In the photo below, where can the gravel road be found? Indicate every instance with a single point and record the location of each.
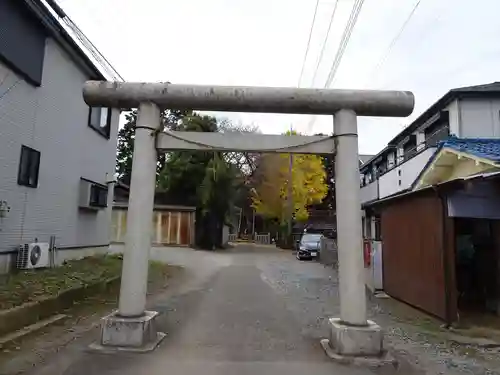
(254, 310)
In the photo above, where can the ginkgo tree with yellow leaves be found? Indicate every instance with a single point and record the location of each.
(270, 191)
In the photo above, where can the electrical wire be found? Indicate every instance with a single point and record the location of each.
(308, 43)
(9, 88)
(96, 54)
(383, 59)
(356, 9)
(327, 36)
(346, 36)
(93, 49)
(83, 40)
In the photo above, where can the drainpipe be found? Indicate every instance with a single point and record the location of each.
(446, 258)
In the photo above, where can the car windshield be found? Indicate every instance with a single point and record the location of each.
(310, 238)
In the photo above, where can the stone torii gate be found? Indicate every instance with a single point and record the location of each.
(132, 327)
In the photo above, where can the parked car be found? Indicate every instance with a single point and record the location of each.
(308, 246)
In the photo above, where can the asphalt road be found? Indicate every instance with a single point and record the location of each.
(250, 310)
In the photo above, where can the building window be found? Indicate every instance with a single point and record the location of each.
(98, 196)
(22, 42)
(378, 229)
(100, 120)
(29, 165)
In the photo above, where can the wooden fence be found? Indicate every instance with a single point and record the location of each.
(263, 239)
(169, 227)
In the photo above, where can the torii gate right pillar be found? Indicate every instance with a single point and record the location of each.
(351, 334)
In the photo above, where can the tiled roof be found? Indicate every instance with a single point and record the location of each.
(364, 158)
(478, 91)
(484, 148)
(489, 87)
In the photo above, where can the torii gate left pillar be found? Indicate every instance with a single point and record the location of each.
(132, 327)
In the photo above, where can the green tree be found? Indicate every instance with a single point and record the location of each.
(171, 119)
(207, 180)
(202, 179)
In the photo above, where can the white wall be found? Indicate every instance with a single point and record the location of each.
(369, 192)
(454, 117)
(393, 181)
(52, 119)
(475, 118)
(480, 118)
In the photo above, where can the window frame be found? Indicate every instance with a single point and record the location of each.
(103, 131)
(377, 236)
(28, 152)
(97, 189)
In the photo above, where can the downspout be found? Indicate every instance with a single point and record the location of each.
(446, 258)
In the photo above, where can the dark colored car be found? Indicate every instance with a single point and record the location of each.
(308, 246)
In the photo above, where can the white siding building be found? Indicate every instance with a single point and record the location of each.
(51, 143)
(468, 112)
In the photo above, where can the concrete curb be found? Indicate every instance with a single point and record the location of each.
(30, 313)
(30, 329)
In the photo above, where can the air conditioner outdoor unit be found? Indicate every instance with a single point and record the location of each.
(33, 255)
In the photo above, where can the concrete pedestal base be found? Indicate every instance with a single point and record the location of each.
(129, 334)
(356, 344)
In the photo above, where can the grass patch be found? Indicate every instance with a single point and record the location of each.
(32, 285)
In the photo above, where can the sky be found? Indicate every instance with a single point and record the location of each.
(446, 44)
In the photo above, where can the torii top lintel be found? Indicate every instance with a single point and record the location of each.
(126, 95)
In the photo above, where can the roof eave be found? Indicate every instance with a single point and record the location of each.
(52, 25)
(446, 99)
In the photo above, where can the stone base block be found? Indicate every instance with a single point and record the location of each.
(350, 340)
(129, 334)
(385, 361)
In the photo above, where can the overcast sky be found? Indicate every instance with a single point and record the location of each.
(446, 44)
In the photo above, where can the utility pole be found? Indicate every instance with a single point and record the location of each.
(253, 224)
(290, 193)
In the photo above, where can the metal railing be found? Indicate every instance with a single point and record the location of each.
(431, 140)
(436, 137)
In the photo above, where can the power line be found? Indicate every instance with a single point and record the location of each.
(84, 41)
(346, 36)
(394, 40)
(353, 18)
(308, 43)
(9, 88)
(327, 36)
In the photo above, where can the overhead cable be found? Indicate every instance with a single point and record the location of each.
(327, 36)
(308, 43)
(84, 41)
(346, 36)
(394, 40)
(353, 18)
